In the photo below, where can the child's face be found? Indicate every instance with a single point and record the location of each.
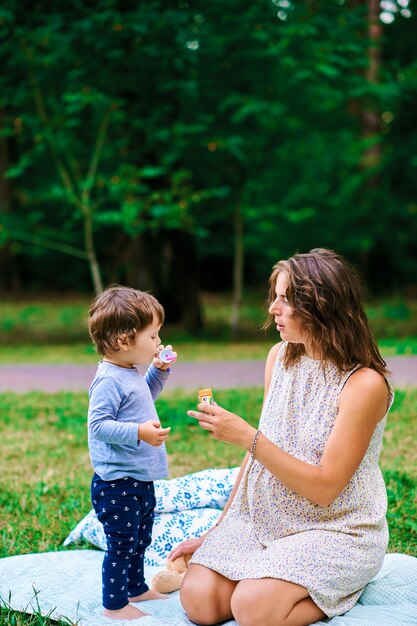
(146, 345)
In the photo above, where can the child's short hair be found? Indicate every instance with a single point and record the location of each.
(121, 311)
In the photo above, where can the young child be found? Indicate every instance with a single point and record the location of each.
(126, 440)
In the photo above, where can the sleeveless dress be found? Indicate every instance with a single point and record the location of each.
(270, 531)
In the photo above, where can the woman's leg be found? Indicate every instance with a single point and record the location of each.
(205, 595)
(273, 602)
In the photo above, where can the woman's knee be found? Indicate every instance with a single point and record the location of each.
(249, 614)
(203, 598)
(252, 607)
(196, 600)
(189, 596)
(271, 602)
(246, 608)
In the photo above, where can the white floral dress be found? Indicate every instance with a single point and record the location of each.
(272, 532)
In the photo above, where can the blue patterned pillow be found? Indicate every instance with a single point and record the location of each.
(185, 507)
(209, 488)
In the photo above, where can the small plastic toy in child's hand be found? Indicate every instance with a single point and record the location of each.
(167, 356)
(205, 395)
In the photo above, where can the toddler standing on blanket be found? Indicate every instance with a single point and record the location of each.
(126, 440)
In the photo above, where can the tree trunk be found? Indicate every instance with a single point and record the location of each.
(371, 115)
(367, 112)
(182, 279)
(371, 121)
(165, 263)
(82, 201)
(91, 252)
(238, 266)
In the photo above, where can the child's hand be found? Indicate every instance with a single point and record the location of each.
(151, 432)
(161, 365)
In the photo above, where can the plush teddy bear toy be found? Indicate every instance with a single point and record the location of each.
(170, 579)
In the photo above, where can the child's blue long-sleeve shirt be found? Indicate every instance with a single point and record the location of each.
(120, 400)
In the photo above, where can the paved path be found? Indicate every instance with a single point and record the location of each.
(218, 375)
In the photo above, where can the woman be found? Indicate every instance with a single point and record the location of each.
(304, 529)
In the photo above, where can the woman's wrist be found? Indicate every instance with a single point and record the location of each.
(248, 438)
(253, 446)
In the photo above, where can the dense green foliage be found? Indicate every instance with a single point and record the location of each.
(140, 138)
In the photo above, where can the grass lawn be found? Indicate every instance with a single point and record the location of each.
(46, 472)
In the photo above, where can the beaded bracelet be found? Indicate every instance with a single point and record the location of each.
(253, 446)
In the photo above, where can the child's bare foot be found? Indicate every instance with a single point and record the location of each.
(127, 612)
(151, 594)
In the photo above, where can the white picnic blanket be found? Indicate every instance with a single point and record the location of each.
(68, 584)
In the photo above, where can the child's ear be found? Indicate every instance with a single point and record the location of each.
(123, 342)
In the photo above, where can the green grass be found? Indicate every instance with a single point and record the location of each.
(44, 496)
(46, 471)
(9, 617)
(49, 492)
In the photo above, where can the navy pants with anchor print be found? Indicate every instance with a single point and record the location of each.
(125, 507)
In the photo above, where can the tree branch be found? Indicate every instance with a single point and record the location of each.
(96, 155)
(37, 240)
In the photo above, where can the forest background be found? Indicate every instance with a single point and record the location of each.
(185, 146)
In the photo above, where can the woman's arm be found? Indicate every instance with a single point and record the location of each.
(269, 366)
(190, 545)
(363, 402)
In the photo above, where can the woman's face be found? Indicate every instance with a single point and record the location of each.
(289, 328)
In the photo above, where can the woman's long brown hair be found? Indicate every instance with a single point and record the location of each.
(325, 292)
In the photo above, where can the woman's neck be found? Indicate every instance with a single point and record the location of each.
(312, 353)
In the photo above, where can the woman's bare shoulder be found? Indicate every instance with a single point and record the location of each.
(367, 378)
(366, 387)
(272, 354)
(272, 357)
